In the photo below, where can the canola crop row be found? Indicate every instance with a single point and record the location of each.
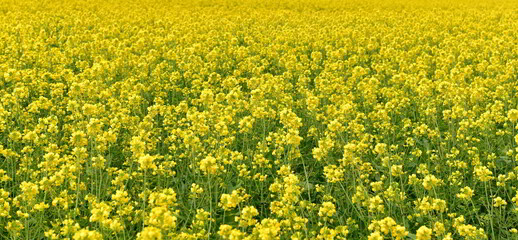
(222, 119)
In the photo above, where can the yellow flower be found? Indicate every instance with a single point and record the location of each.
(465, 193)
(396, 170)
(100, 212)
(4, 204)
(439, 228)
(209, 165)
(79, 139)
(293, 137)
(327, 233)
(413, 179)
(121, 197)
(225, 230)
(161, 217)
(15, 135)
(50, 234)
(483, 173)
(515, 200)
(268, 229)
(30, 190)
(146, 162)
(14, 227)
(335, 126)
(512, 115)
(333, 173)
(498, 202)
(375, 236)
(424, 233)
(137, 146)
(247, 214)
(375, 204)
(327, 209)
(312, 102)
(430, 181)
(448, 237)
(165, 198)
(380, 148)
(40, 206)
(196, 190)
(246, 124)
(114, 224)
(228, 201)
(85, 234)
(466, 230)
(89, 109)
(399, 232)
(149, 233)
(207, 97)
(376, 186)
(386, 225)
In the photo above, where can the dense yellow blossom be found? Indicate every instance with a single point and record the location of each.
(258, 119)
(84, 234)
(465, 193)
(424, 233)
(150, 233)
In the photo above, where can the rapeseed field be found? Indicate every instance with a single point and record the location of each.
(258, 119)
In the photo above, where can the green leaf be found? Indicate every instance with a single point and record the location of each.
(411, 236)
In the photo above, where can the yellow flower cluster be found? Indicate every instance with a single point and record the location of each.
(384, 227)
(230, 201)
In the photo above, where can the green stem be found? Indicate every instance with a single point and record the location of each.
(144, 198)
(490, 208)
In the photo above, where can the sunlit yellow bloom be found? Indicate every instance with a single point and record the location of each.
(150, 233)
(146, 162)
(424, 233)
(209, 165)
(465, 193)
(85, 234)
(498, 202)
